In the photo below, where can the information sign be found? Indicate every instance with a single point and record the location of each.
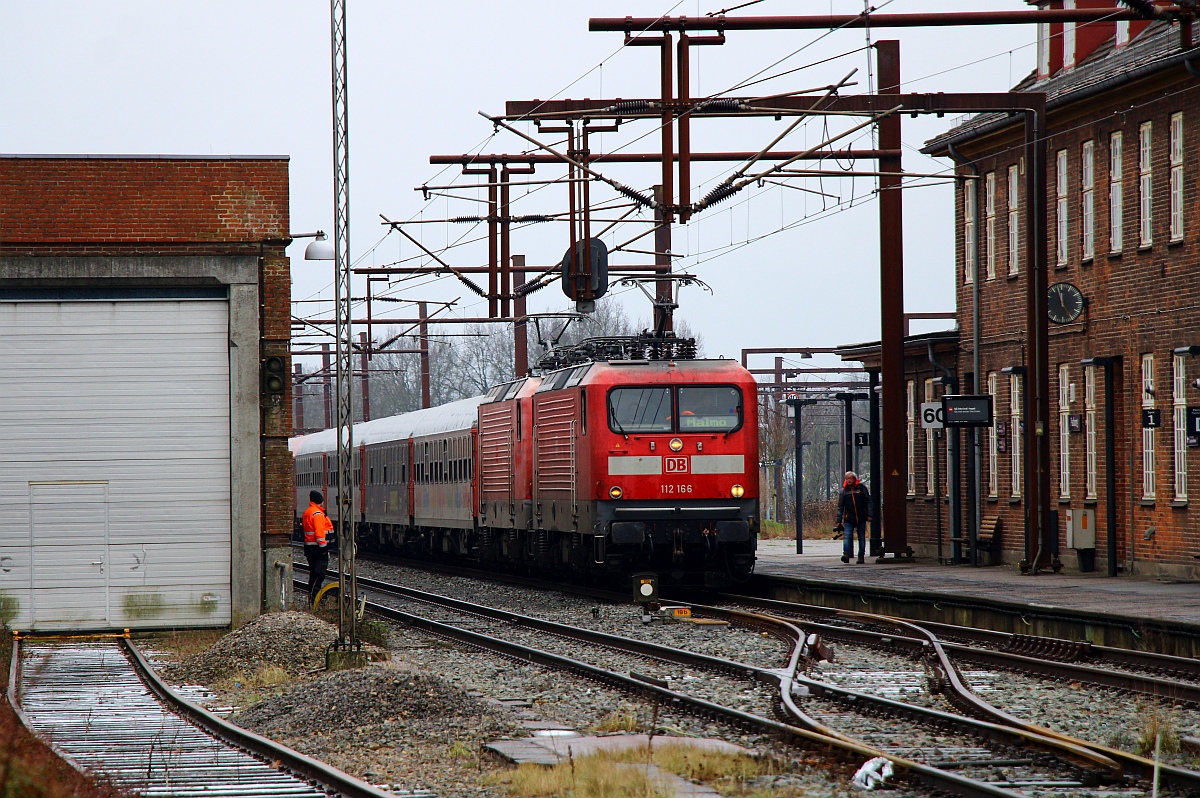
(967, 410)
(932, 416)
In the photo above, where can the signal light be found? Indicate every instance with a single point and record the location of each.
(616, 492)
(645, 588)
(274, 373)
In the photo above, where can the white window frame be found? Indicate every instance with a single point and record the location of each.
(990, 224)
(1061, 249)
(931, 486)
(1014, 220)
(993, 445)
(1014, 409)
(1179, 425)
(1064, 431)
(1145, 185)
(1089, 406)
(1177, 176)
(970, 245)
(1087, 200)
(1149, 488)
(912, 438)
(1116, 194)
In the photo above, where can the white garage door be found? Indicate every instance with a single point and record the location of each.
(114, 464)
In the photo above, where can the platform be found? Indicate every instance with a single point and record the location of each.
(1131, 611)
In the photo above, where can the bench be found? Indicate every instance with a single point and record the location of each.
(988, 540)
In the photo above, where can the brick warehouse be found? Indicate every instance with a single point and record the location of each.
(1123, 221)
(139, 298)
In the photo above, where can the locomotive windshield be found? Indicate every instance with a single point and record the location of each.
(715, 407)
(639, 410)
(709, 408)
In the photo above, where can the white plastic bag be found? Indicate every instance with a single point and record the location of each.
(874, 773)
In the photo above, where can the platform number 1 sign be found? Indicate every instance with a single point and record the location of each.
(932, 416)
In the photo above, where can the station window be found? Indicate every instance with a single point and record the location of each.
(1064, 431)
(912, 438)
(1014, 409)
(1014, 220)
(989, 205)
(1089, 407)
(970, 191)
(1148, 437)
(1060, 208)
(1179, 425)
(1177, 177)
(993, 445)
(1087, 200)
(930, 448)
(1116, 195)
(1145, 185)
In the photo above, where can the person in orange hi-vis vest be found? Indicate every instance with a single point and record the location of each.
(316, 525)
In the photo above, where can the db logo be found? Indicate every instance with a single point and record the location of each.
(676, 465)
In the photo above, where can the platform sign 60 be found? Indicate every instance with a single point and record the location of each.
(931, 415)
(675, 465)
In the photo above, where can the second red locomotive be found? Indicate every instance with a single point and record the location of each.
(606, 467)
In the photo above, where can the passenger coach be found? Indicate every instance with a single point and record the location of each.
(598, 468)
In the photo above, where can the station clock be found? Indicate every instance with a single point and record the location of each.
(1065, 303)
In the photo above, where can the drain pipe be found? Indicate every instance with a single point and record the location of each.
(953, 477)
(976, 495)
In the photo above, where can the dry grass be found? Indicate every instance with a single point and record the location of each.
(818, 523)
(1153, 721)
(182, 643)
(620, 720)
(266, 676)
(595, 776)
(601, 775)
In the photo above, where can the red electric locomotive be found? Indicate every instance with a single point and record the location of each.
(614, 465)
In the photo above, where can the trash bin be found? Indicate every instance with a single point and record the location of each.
(1087, 560)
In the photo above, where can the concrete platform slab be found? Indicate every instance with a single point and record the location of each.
(1130, 611)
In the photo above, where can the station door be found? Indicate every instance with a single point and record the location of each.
(114, 464)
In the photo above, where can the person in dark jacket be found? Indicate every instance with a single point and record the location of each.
(853, 513)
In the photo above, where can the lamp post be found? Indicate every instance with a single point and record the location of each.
(796, 405)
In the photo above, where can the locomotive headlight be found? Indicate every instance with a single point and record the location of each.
(616, 492)
(737, 491)
(676, 444)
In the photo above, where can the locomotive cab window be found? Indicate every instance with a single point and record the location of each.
(639, 410)
(711, 408)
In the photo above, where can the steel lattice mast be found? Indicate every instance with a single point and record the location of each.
(347, 573)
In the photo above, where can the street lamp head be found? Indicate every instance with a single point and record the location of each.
(1096, 361)
(1013, 370)
(1190, 351)
(320, 249)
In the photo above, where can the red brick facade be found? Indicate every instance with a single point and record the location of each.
(1142, 296)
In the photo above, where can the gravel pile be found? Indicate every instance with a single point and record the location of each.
(294, 641)
(349, 699)
(388, 725)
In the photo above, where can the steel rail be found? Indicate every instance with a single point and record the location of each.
(1136, 765)
(923, 774)
(783, 679)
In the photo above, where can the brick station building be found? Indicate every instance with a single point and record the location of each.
(145, 479)
(1123, 221)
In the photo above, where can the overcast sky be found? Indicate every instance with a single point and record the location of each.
(787, 267)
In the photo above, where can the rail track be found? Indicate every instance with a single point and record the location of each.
(961, 742)
(100, 705)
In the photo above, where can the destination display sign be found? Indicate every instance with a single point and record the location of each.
(967, 410)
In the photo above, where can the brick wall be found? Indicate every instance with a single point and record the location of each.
(1142, 299)
(127, 200)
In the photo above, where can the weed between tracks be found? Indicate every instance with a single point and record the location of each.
(624, 775)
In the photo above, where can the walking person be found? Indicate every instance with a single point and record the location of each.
(316, 525)
(853, 514)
